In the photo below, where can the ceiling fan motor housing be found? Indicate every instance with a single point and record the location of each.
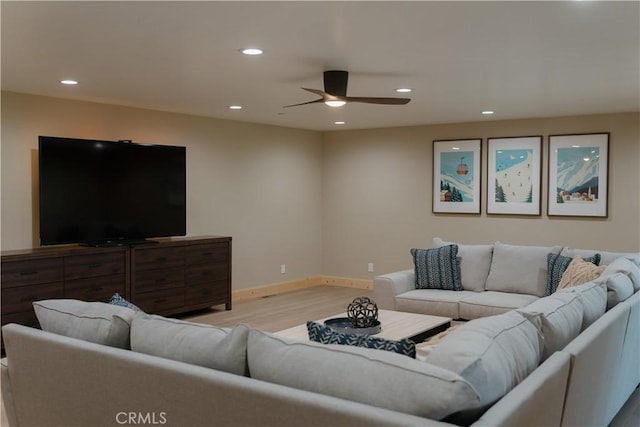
(335, 82)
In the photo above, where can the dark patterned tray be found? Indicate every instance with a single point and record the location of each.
(344, 325)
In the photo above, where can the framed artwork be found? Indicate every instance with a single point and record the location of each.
(456, 176)
(514, 175)
(578, 175)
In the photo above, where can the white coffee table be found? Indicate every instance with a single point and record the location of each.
(396, 325)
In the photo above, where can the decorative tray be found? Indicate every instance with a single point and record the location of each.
(344, 325)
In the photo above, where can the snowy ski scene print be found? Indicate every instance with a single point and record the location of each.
(578, 174)
(456, 176)
(513, 176)
(513, 181)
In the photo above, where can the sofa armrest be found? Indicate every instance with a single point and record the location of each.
(387, 286)
(7, 394)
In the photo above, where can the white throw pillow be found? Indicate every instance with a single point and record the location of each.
(375, 377)
(475, 261)
(619, 288)
(626, 266)
(519, 269)
(95, 322)
(561, 316)
(494, 354)
(222, 349)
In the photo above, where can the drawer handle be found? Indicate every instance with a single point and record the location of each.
(95, 265)
(160, 301)
(28, 273)
(161, 259)
(162, 280)
(206, 253)
(95, 289)
(29, 298)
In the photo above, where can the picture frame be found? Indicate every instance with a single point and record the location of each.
(578, 175)
(514, 175)
(457, 168)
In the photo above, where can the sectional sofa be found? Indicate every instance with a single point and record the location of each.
(565, 360)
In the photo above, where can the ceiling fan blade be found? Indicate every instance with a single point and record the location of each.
(317, 92)
(304, 103)
(386, 101)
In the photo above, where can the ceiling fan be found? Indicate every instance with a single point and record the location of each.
(335, 92)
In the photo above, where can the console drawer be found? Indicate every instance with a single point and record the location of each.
(153, 280)
(154, 258)
(20, 299)
(160, 301)
(30, 272)
(210, 293)
(81, 266)
(206, 273)
(211, 253)
(95, 288)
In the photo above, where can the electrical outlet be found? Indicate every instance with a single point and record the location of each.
(370, 267)
(283, 269)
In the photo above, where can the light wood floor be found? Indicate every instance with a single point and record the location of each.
(277, 312)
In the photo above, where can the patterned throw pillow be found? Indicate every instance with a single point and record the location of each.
(556, 266)
(580, 272)
(118, 300)
(437, 268)
(325, 335)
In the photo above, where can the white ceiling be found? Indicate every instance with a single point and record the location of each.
(520, 59)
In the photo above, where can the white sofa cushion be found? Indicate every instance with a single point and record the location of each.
(606, 258)
(95, 322)
(519, 269)
(561, 320)
(626, 266)
(475, 261)
(490, 303)
(436, 302)
(593, 297)
(375, 377)
(223, 349)
(493, 354)
(619, 288)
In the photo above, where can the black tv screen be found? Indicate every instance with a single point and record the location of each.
(106, 192)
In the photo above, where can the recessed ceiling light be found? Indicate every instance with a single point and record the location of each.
(339, 122)
(487, 112)
(68, 82)
(455, 148)
(403, 90)
(252, 51)
(235, 107)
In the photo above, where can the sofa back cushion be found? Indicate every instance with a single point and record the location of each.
(223, 349)
(519, 269)
(560, 316)
(626, 266)
(374, 377)
(493, 354)
(593, 297)
(475, 262)
(606, 257)
(95, 322)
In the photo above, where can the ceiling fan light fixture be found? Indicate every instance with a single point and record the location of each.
(252, 51)
(335, 103)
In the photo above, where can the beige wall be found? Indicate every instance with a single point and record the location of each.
(377, 194)
(259, 184)
(321, 203)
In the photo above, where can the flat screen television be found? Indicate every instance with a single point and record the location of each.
(109, 193)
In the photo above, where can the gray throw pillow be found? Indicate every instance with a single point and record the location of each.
(437, 268)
